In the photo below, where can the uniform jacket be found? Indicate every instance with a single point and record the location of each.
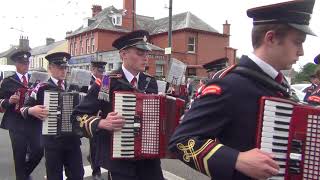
(13, 120)
(36, 98)
(86, 119)
(221, 123)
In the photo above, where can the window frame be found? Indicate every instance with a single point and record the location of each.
(191, 44)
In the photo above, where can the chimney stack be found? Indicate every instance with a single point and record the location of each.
(49, 41)
(226, 28)
(96, 9)
(24, 43)
(129, 19)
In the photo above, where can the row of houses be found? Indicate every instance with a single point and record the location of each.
(195, 42)
(37, 60)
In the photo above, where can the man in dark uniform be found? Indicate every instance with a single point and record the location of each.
(217, 135)
(133, 51)
(309, 90)
(24, 133)
(97, 69)
(61, 150)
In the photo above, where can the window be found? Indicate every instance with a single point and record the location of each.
(117, 20)
(71, 49)
(110, 66)
(81, 47)
(75, 48)
(87, 46)
(159, 70)
(192, 72)
(92, 44)
(41, 63)
(191, 45)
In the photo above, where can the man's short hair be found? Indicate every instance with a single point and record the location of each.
(259, 31)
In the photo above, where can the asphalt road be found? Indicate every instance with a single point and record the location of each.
(173, 169)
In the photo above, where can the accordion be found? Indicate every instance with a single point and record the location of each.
(23, 94)
(291, 132)
(60, 106)
(150, 120)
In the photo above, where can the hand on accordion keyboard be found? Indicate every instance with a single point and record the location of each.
(257, 164)
(14, 99)
(113, 122)
(38, 111)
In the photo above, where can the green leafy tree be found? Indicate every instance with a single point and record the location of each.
(305, 73)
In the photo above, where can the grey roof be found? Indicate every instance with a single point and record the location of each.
(8, 52)
(45, 48)
(185, 20)
(179, 21)
(101, 21)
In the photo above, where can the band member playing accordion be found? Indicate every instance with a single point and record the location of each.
(51, 105)
(95, 117)
(24, 133)
(217, 136)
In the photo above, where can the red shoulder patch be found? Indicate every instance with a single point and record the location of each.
(98, 82)
(211, 89)
(314, 99)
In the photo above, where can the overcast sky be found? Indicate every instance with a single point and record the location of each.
(39, 19)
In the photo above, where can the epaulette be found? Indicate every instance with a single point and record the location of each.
(223, 72)
(98, 82)
(315, 99)
(211, 89)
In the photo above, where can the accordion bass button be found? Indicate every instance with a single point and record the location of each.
(136, 125)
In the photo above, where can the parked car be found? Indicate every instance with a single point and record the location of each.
(6, 70)
(298, 89)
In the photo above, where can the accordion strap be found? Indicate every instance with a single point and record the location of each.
(265, 80)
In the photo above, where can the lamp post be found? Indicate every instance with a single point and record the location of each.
(168, 50)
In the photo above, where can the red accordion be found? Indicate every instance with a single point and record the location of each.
(23, 94)
(291, 132)
(150, 120)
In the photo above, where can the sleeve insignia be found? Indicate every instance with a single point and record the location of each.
(98, 82)
(211, 89)
(314, 99)
(82, 120)
(199, 154)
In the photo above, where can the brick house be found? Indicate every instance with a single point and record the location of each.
(194, 41)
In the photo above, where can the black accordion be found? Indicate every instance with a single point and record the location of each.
(60, 106)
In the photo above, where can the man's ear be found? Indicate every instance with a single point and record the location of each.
(123, 53)
(269, 38)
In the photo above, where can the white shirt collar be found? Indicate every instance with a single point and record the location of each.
(56, 81)
(267, 68)
(20, 76)
(128, 74)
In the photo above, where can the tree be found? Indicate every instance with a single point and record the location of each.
(304, 75)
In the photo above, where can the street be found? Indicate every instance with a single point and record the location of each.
(173, 169)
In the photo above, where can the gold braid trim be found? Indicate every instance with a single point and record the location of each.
(84, 122)
(90, 125)
(208, 156)
(189, 152)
